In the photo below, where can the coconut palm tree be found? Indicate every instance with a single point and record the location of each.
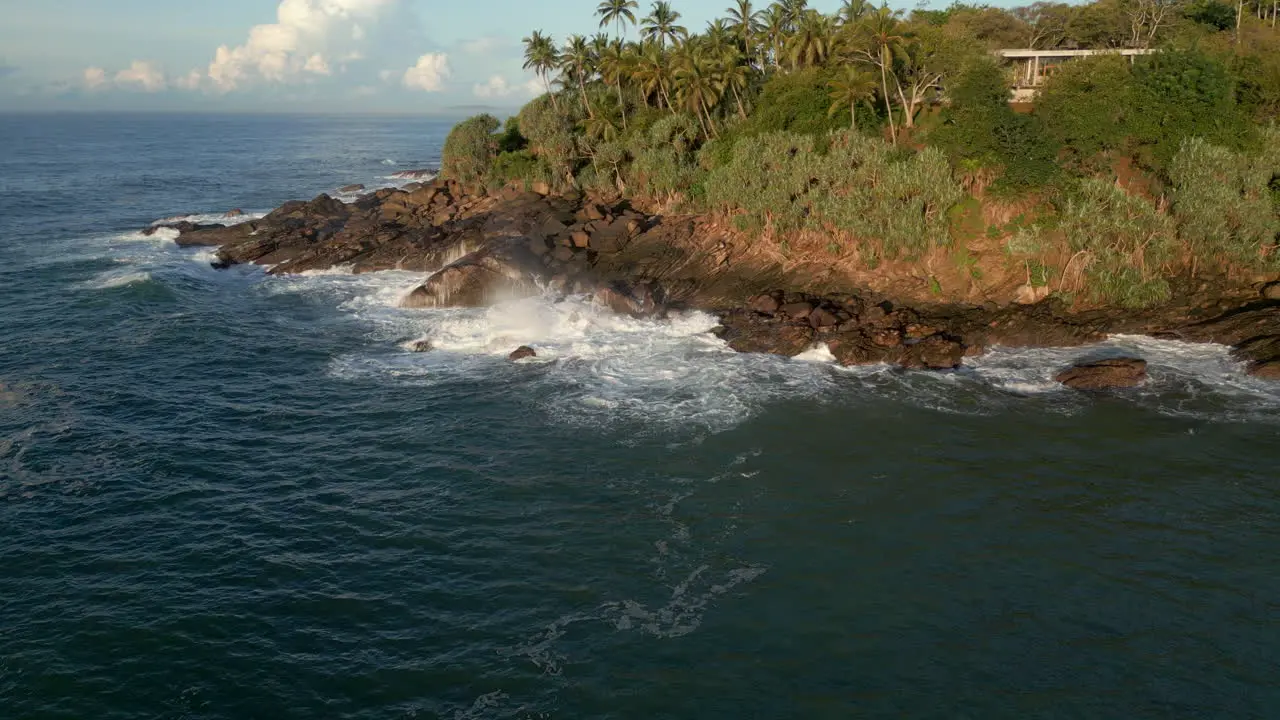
(540, 56)
(774, 22)
(745, 21)
(615, 66)
(661, 24)
(653, 74)
(851, 11)
(736, 76)
(881, 39)
(575, 65)
(719, 38)
(853, 87)
(698, 89)
(812, 41)
(617, 13)
(793, 11)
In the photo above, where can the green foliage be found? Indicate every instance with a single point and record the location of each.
(520, 166)
(980, 126)
(1085, 106)
(1223, 204)
(469, 150)
(1121, 241)
(666, 159)
(861, 186)
(1215, 14)
(1184, 94)
(552, 137)
(511, 140)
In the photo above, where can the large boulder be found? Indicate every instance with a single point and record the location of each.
(500, 271)
(749, 332)
(1122, 372)
(1262, 355)
(640, 299)
(182, 226)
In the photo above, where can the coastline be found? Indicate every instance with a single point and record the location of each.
(479, 249)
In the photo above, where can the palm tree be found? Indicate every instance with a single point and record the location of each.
(736, 76)
(793, 11)
(575, 65)
(615, 66)
(618, 13)
(660, 24)
(775, 31)
(540, 56)
(851, 11)
(812, 41)
(719, 38)
(854, 87)
(880, 29)
(745, 22)
(698, 89)
(653, 73)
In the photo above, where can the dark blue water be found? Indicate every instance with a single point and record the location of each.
(225, 495)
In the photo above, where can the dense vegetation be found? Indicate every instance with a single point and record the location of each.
(879, 129)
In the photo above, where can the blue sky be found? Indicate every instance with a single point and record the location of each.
(283, 55)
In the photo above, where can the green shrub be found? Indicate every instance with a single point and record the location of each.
(518, 167)
(551, 135)
(1121, 241)
(1085, 106)
(666, 159)
(979, 128)
(469, 150)
(1223, 204)
(861, 186)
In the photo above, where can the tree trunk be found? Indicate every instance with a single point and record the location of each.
(741, 109)
(853, 116)
(908, 109)
(582, 87)
(698, 112)
(547, 84)
(622, 104)
(888, 107)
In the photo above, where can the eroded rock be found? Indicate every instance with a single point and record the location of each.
(1112, 373)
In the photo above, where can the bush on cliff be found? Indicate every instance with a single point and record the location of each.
(1086, 107)
(1121, 243)
(550, 131)
(665, 158)
(861, 186)
(1223, 204)
(469, 150)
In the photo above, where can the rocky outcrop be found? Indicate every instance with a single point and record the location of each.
(478, 249)
(1109, 374)
(522, 352)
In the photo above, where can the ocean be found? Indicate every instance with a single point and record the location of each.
(230, 495)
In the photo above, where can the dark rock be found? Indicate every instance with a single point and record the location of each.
(765, 304)
(346, 189)
(936, 352)
(494, 273)
(823, 318)
(421, 346)
(522, 352)
(423, 174)
(638, 300)
(562, 254)
(1271, 291)
(747, 331)
(182, 226)
(1124, 372)
(797, 310)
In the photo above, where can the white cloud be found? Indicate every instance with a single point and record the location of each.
(429, 74)
(94, 78)
(190, 81)
(498, 87)
(142, 75)
(296, 44)
(479, 46)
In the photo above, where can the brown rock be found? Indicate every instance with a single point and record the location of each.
(765, 304)
(823, 318)
(563, 254)
(579, 239)
(936, 352)
(593, 212)
(351, 188)
(236, 212)
(421, 346)
(522, 352)
(797, 310)
(1271, 291)
(541, 188)
(1124, 372)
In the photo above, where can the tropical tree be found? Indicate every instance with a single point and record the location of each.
(745, 21)
(851, 11)
(847, 91)
(880, 39)
(793, 11)
(540, 56)
(813, 40)
(774, 24)
(662, 24)
(615, 67)
(617, 13)
(699, 90)
(575, 65)
(653, 74)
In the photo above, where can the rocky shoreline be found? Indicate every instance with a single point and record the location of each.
(482, 249)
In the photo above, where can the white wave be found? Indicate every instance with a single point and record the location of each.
(389, 162)
(117, 279)
(211, 218)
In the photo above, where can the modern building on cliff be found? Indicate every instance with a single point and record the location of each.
(1032, 67)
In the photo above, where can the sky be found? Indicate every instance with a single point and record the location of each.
(285, 55)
